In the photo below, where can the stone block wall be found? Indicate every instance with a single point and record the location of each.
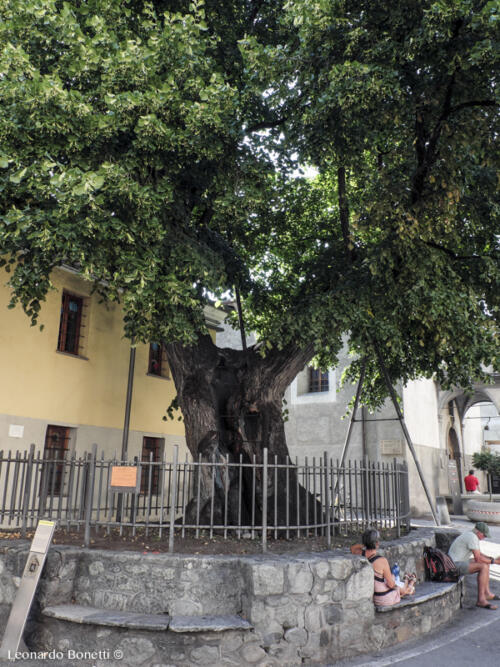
(408, 623)
(313, 608)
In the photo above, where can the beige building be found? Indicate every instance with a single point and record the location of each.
(64, 388)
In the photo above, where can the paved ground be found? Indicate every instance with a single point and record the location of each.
(473, 639)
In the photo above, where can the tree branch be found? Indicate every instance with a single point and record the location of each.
(344, 213)
(254, 14)
(425, 145)
(266, 125)
(452, 254)
(474, 103)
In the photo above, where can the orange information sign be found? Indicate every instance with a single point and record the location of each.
(124, 478)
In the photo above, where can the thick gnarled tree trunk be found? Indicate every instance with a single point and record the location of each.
(231, 402)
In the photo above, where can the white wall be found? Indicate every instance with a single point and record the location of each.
(420, 405)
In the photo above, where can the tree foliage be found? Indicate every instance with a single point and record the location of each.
(397, 104)
(121, 126)
(487, 461)
(154, 145)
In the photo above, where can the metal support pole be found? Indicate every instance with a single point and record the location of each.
(363, 427)
(328, 494)
(405, 431)
(27, 489)
(126, 424)
(240, 319)
(128, 403)
(335, 491)
(173, 496)
(353, 415)
(90, 493)
(264, 500)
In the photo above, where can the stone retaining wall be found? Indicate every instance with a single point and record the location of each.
(304, 609)
(407, 623)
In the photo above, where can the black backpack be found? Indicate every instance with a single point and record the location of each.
(439, 566)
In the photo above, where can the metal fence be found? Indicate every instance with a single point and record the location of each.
(261, 499)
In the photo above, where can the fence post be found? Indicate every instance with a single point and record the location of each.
(173, 496)
(90, 494)
(264, 500)
(397, 498)
(327, 501)
(406, 496)
(367, 509)
(27, 485)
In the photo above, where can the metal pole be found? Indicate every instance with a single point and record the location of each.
(240, 318)
(346, 443)
(90, 494)
(353, 415)
(327, 502)
(173, 495)
(363, 427)
(128, 402)
(27, 489)
(126, 423)
(264, 501)
(461, 472)
(405, 431)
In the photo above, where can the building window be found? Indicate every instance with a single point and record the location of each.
(152, 451)
(307, 390)
(54, 454)
(318, 381)
(70, 323)
(158, 364)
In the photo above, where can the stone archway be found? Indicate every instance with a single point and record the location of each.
(453, 445)
(454, 470)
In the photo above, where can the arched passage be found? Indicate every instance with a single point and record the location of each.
(454, 455)
(453, 446)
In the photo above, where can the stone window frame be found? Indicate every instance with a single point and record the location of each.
(300, 394)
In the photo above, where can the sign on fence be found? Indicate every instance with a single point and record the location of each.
(26, 591)
(124, 479)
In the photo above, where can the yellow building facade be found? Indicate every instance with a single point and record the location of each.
(69, 381)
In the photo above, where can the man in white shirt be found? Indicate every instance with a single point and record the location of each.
(466, 546)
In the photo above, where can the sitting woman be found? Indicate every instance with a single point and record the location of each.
(386, 590)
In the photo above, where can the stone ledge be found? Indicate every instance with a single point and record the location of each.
(428, 590)
(207, 623)
(76, 613)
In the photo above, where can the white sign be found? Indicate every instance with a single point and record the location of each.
(391, 447)
(16, 431)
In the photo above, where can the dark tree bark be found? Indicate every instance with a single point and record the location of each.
(231, 401)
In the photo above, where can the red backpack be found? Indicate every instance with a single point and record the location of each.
(439, 566)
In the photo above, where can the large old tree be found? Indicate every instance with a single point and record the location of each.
(155, 146)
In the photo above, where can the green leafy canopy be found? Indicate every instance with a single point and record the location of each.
(155, 146)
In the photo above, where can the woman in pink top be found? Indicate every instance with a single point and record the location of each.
(386, 590)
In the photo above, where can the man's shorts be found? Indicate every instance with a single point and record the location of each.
(463, 566)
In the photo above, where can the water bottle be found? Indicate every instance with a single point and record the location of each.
(395, 572)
